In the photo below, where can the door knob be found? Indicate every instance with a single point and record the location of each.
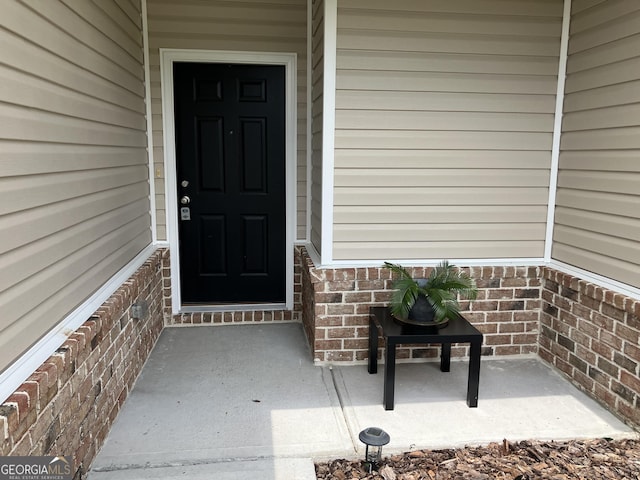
(185, 200)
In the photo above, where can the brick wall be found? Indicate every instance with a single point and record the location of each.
(68, 404)
(589, 333)
(336, 304)
(307, 293)
(592, 335)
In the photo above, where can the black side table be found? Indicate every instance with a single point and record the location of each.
(458, 330)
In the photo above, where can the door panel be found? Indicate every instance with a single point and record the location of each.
(211, 141)
(212, 245)
(230, 151)
(253, 154)
(255, 238)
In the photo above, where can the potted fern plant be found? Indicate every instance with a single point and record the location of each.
(432, 300)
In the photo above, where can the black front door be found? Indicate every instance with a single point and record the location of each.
(230, 154)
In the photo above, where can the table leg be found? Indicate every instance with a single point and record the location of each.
(373, 346)
(389, 374)
(445, 357)
(474, 374)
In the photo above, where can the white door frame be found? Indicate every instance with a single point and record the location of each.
(289, 61)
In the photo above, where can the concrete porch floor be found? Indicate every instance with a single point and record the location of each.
(245, 401)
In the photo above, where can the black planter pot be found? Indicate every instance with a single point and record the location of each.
(422, 314)
(422, 311)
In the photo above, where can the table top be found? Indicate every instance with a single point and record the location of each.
(457, 330)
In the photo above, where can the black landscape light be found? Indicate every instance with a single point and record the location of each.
(374, 438)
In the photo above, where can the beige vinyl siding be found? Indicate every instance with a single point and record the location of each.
(317, 99)
(74, 193)
(597, 224)
(239, 25)
(444, 121)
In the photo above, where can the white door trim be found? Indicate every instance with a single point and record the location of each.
(289, 61)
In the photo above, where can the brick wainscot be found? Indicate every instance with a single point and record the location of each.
(67, 406)
(592, 336)
(336, 304)
(587, 332)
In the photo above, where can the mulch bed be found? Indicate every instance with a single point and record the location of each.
(525, 460)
